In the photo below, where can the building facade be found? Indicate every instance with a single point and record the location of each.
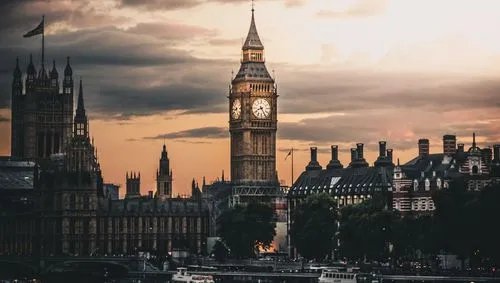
(54, 200)
(417, 180)
(42, 114)
(348, 186)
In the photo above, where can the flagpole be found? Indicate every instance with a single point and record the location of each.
(292, 169)
(43, 41)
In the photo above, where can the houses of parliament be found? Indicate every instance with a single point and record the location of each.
(54, 200)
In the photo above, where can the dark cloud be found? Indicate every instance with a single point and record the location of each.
(345, 91)
(401, 131)
(171, 31)
(161, 4)
(4, 119)
(360, 9)
(206, 132)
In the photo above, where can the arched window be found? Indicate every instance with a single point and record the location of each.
(475, 170)
(415, 185)
(438, 183)
(427, 184)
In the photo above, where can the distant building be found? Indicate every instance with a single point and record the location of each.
(17, 201)
(42, 114)
(416, 180)
(53, 198)
(351, 185)
(111, 191)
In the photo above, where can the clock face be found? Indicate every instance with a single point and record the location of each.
(261, 108)
(236, 109)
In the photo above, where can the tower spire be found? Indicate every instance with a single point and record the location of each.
(253, 39)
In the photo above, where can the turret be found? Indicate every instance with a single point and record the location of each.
(68, 79)
(17, 83)
(30, 73)
(54, 76)
(80, 122)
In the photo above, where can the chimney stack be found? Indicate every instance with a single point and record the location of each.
(381, 148)
(335, 152)
(423, 147)
(359, 150)
(460, 147)
(486, 154)
(496, 152)
(313, 164)
(150, 194)
(354, 155)
(334, 162)
(389, 154)
(449, 144)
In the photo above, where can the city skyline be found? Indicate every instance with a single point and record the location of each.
(163, 79)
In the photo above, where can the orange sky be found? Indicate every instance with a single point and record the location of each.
(347, 71)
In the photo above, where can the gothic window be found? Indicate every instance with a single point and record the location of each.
(86, 202)
(475, 170)
(72, 202)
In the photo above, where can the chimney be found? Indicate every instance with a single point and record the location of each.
(486, 154)
(314, 154)
(449, 144)
(423, 147)
(150, 194)
(335, 163)
(389, 154)
(335, 152)
(354, 155)
(381, 148)
(496, 152)
(313, 164)
(359, 150)
(460, 147)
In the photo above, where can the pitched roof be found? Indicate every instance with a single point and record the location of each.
(340, 182)
(253, 39)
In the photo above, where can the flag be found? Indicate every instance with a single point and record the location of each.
(289, 153)
(35, 31)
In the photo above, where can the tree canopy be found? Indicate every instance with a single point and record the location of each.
(314, 225)
(246, 228)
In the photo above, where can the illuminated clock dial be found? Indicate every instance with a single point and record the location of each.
(261, 108)
(236, 109)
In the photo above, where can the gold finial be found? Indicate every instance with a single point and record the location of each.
(253, 6)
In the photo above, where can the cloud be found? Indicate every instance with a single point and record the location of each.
(400, 128)
(171, 31)
(224, 41)
(187, 4)
(360, 9)
(205, 132)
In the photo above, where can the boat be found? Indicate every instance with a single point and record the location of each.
(182, 276)
(346, 275)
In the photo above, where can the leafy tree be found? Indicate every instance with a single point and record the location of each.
(220, 251)
(366, 229)
(246, 228)
(314, 226)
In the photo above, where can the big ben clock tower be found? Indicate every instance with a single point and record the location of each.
(253, 119)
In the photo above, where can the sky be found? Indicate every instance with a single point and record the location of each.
(348, 71)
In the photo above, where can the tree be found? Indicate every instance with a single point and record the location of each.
(246, 228)
(314, 226)
(220, 251)
(366, 229)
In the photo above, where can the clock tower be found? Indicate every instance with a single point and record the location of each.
(253, 118)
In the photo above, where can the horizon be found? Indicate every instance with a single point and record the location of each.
(156, 72)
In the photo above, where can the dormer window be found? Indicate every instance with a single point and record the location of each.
(427, 184)
(415, 185)
(438, 183)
